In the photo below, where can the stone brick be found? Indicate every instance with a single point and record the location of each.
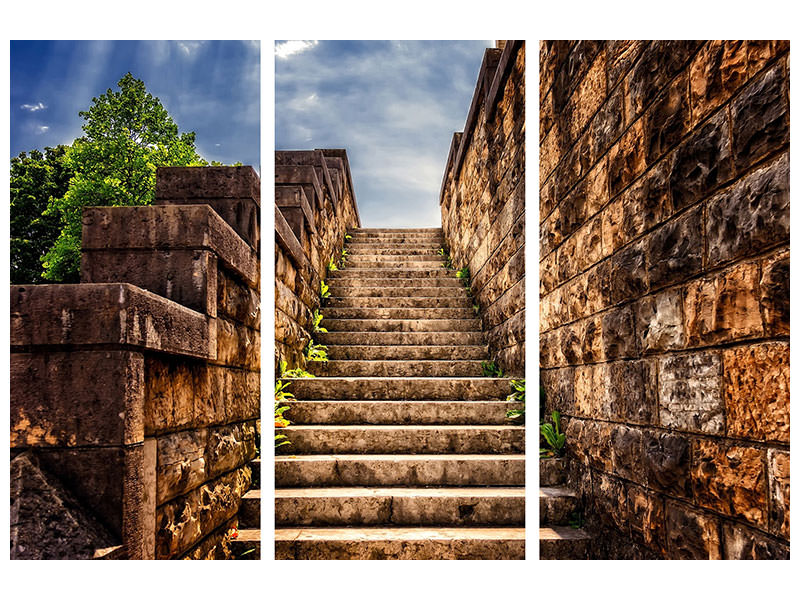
(757, 391)
(592, 391)
(589, 243)
(591, 335)
(564, 261)
(675, 250)
(573, 296)
(743, 543)
(724, 307)
(575, 66)
(598, 293)
(559, 389)
(588, 96)
(666, 122)
(760, 116)
(626, 443)
(775, 293)
(550, 354)
(702, 162)
(626, 159)
(690, 398)
(646, 203)
(778, 467)
(621, 54)
(646, 516)
(627, 394)
(659, 321)
(613, 232)
(717, 72)
(666, 458)
(751, 215)
(730, 480)
(610, 502)
(692, 535)
(619, 337)
(628, 273)
(760, 52)
(181, 463)
(607, 125)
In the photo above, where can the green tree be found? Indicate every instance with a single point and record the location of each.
(128, 134)
(36, 179)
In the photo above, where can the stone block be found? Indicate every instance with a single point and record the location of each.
(559, 389)
(756, 380)
(667, 120)
(690, 396)
(646, 517)
(627, 398)
(692, 535)
(750, 216)
(760, 116)
(626, 443)
(730, 480)
(550, 354)
(645, 204)
(169, 394)
(702, 163)
(240, 302)
(760, 52)
(675, 250)
(589, 243)
(237, 345)
(591, 334)
(76, 399)
(666, 458)
(597, 442)
(610, 502)
(744, 543)
(181, 463)
(571, 339)
(659, 322)
(613, 233)
(619, 336)
(598, 292)
(621, 55)
(607, 125)
(774, 286)
(626, 159)
(778, 468)
(724, 307)
(628, 273)
(717, 72)
(588, 95)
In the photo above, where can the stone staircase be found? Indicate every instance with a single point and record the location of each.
(400, 448)
(249, 537)
(557, 504)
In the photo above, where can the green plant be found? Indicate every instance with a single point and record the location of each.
(281, 396)
(553, 437)
(297, 373)
(476, 308)
(463, 275)
(332, 265)
(344, 258)
(317, 319)
(490, 369)
(324, 291)
(316, 352)
(518, 395)
(448, 262)
(576, 519)
(347, 237)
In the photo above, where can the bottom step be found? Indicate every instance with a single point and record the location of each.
(405, 543)
(563, 543)
(247, 545)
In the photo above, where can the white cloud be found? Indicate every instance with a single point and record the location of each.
(34, 107)
(287, 49)
(42, 128)
(189, 48)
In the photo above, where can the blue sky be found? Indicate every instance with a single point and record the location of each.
(393, 105)
(211, 88)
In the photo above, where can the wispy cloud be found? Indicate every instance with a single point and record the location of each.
(287, 49)
(42, 128)
(34, 107)
(189, 49)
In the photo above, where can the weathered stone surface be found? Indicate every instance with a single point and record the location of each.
(591, 390)
(646, 517)
(756, 393)
(774, 286)
(626, 159)
(751, 215)
(730, 480)
(690, 397)
(591, 333)
(610, 502)
(675, 250)
(181, 463)
(627, 393)
(717, 72)
(559, 389)
(692, 535)
(701, 163)
(667, 120)
(621, 56)
(659, 322)
(645, 204)
(667, 459)
(607, 125)
(760, 116)
(760, 52)
(597, 441)
(571, 340)
(626, 443)
(724, 307)
(619, 338)
(778, 468)
(745, 543)
(628, 273)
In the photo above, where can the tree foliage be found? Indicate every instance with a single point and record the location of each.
(36, 180)
(127, 135)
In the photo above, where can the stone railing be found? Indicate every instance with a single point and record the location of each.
(664, 261)
(314, 207)
(483, 202)
(135, 393)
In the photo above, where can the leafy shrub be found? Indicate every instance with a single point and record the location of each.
(324, 291)
(317, 319)
(316, 352)
(490, 369)
(553, 437)
(518, 395)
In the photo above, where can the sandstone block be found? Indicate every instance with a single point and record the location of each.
(591, 333)
(645, 204)
(592, 391)
(743, 543)
(572, 343)
(692, 535)
(774, 286)
(667, 120)
(619, 337)
(559, 389)
(626, 443)
(778, 467)
(610, 502)
(675, 250)
(730, 480)
(690, 398)
(589, 243)
(646, 517)
(760, 52)
(628, 396)
(597, 442)
(169, 395)
(717, 72)
(659, 321)
(181, 463)
(628, 273)
(626, 159)
(621, 54)
(756, 393)
(760, 116)
(607, 125)
(724, 307)
(667, 459)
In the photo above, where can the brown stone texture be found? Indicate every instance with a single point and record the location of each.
(731, 480)
(672, 315)
(756, 380)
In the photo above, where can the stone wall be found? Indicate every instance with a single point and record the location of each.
(483, 202)
(135, 393)
(314, 207)
(664, 285)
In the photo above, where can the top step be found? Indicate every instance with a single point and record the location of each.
(437, 230)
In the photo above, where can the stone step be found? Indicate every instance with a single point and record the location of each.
(563, 543)
(370, 230)
(396, 302)
(400, 470)
(556, 505)
(392, 265)
(396, 368)
(369, 312)
(356, 283)
(351, 273)
(403, 338)
(429, 259)
(365, 506)
(389, 412)
(250, 510)
(247, 545)
(380, 236)
(406, 388)
(402, 325)
(398, 250)
(420, 353)
(410, 246)
(552, 471)
(420, 543)
(414, 291)
(404, 439)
